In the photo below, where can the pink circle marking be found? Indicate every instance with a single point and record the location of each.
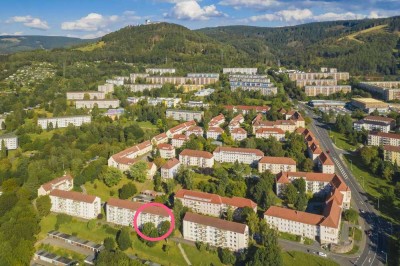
(153, 239)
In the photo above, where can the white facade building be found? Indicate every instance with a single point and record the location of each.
(65, 182)
(372, 126)
(170, 169)
(202, 159)
(239, 134)
(160, 71)
(265, 133)
(215, 231)
(381, 139)
(80, 95)
(239, 70)
(122, 212)
(185, 115)
(204, 92)
(167, 151)
(214, 133)
(10, 141)
(178, 140)
(75, 204)
(65, 121)
(102, 104)
(241, 155)
(124, 159)
(106, 88)
(276, 165)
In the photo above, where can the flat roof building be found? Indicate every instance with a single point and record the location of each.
(240, 70)
(10, 141)
(102, 104)
(184, 115)
(64, 121)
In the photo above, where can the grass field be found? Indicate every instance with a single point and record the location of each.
(341, 141)
(302, 259)
(99, 189)
(290, 237)
(353, 36)
(91, 47)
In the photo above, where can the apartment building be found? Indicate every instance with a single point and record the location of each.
(266, 89)
(122, 212)
(320, 184)
(134, 76)
(65, 182)
(249, 78)
(215, 232)
(202, 159)
(204, 92)
(195, 130)
(180, 129)
(238, 134)
(217, 121)
(65, 121)
(90, 95)
(241, 155)
(265, 133)
(313, 91)
(296, 117)
(212, 204)
(185, 115)
(319, 75)
(179, 140)
(245, 109)
(214, 133)
(372, 126)
(285, 125)
(240, 70)
(196, 104)
(10, 141)
(116, 82)
(315, 82)
(369, 105)
(276, 165)
(160, 138)
(387, 90)
(167, 151)
(102, 104)
(106, 88)
(142, 87)
(203, 75)
(236, 122)
(170, 169)
(160, 71)
(392, 154)
(75, 204)
(325, 164)
(124, 159)
(181, 80)
(381, 139)
(386, 120)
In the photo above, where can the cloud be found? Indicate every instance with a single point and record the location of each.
(92, 22)
(31, 22)
(191, 10)
(285, 15)
(257, 4)
(330, 16)
(18, 33)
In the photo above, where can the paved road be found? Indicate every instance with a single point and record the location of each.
(375, 247)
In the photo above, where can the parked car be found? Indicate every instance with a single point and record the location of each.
(322, 254)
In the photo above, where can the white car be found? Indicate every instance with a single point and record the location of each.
(322, 254)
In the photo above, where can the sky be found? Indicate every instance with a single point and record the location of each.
(95, 18)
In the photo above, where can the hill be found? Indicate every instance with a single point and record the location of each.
(359, 46)
(12, 44)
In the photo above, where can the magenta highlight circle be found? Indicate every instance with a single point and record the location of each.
(153, 239)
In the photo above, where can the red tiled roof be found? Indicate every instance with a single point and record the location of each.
(183, 126)
(239, 150)
(49, 185)
(215, 222)
(332, 213)
(217, 120)
(269, 130)
(72, 195)
(278, 160)
(237, 118)
(127, 204)
(215, 129)
(325, 159)
(334, 179)
(239, 130)
(170, 164)
(391, 148)
(165, 146)
(119, 157)
(239, 202)
(385, 135)
(180, 137)
(293, 215)
(160, 136)
(194, 153)
(195, 129)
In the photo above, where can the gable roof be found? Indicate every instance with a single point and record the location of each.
(215, 222)
(73, 195)
(49, 185)
(194, 153)
(277, 160)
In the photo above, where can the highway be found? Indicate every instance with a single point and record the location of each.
(375, 246)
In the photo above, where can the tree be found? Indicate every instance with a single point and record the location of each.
(226, 256)
(91, 225)
(43, 205)
(269, 255)
(229, 214)
(268, 236)
(300, 185)
(3, 153)
(368, 154)
(115, 258)
(164, 227)
(138, 171)
(290, 193)
(301, 202)
(350, 215)
(124, 239)
(307, 165)
(150, 230)
(127, 191)
(109, 243)
(111, 176)
(252, 222)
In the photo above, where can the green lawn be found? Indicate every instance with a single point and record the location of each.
(288, 236)
(201, 258)
(302, 259)
(341, 141)
(99, 189)
(147, 125)
(354, 250)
